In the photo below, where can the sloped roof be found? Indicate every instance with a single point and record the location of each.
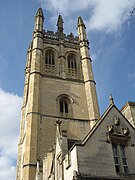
(129, 103)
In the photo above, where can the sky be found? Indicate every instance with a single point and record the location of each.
(111, 33)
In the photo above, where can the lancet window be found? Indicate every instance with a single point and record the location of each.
(72, 65)
(49, 61)
(64, 107)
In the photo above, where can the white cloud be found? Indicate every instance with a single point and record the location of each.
(7, 170)
(8, 145)
(102, 15)
(109, 15)
(10, 106)
(65, 6)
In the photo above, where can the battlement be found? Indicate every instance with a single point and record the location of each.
(66, 37)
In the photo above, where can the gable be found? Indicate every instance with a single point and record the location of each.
(107, 119)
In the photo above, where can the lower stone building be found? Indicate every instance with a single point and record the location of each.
(106, 152)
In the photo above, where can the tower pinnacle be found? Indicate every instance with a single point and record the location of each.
(40, 13)
(81, 30)
(39, 19)
(60, 24)
(90, 87)
(80, 22)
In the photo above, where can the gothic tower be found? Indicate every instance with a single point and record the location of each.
(59, 85)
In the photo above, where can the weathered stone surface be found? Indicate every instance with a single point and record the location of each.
(44, 85)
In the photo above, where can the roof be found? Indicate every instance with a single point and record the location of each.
(129, 103)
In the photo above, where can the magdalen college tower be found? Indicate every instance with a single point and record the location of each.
(62, 136)
(59, 86)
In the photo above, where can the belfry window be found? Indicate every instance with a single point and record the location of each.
(49, 61)
(72, 66)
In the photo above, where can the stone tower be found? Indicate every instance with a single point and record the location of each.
(59, 85)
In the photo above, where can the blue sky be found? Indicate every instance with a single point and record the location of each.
(111, 33)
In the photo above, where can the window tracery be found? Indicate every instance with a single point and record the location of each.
(64, 107)
(120, 158)
(72, 65)
(49, 61)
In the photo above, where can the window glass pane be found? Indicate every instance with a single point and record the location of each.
(116, 160)
(72, 64)
(75, 65)
(52, 61)
(46, 60)
(61, 106)
(117, 168)
(49, 60)
(122, 147)
(66, 107)
(68, 64)
(125, 169)
(114, 147)
(124, 161)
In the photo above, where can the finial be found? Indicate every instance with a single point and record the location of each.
(60, 24)
(40, 12)
(80, 22)
(58, 122)
(111, 100)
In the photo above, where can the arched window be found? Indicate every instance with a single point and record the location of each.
(72, 66)
(64, 107)
(49, 61)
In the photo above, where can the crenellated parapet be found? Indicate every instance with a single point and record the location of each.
(65, 37)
